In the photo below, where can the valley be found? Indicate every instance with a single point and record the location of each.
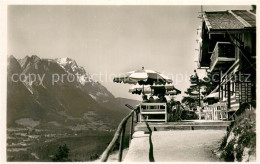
(43, 115)
(24, 144)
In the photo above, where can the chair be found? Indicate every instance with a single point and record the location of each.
(219, 111)
(208, 113)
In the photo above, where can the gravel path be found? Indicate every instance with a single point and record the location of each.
(170, 146)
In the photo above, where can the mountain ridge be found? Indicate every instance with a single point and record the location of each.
(68, 103)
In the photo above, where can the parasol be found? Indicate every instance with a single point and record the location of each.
(143, 77)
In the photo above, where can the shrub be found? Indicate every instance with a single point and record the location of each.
(62, 154)
(94, 157)
(188, 115)
(223, 142)
(228, 153)
(244, 130)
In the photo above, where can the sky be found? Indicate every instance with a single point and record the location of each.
(109, 40)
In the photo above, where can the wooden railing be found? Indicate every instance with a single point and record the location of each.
(120, 132)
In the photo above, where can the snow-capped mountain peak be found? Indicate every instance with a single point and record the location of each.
(70, 66)
(66, 61)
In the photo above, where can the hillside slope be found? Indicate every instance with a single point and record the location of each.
(55, 99)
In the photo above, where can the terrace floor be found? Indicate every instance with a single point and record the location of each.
(170, 144)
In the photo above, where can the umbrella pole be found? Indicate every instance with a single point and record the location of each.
(143, 89)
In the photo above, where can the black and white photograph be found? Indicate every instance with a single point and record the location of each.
(117, 82)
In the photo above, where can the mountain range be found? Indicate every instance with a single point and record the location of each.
(58, 93)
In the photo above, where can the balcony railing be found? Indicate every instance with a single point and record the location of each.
(223, 52)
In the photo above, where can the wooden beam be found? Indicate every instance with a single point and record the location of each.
(121, 145)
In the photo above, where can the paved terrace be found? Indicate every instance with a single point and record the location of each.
(180, 141)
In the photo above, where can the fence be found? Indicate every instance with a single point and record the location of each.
(120, 132)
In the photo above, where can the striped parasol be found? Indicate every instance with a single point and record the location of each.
(143, 77)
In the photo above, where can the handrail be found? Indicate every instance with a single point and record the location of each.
(120, 131)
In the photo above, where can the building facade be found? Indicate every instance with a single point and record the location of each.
(228, 50)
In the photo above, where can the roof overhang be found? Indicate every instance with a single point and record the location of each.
(231, 31)
(211, 30)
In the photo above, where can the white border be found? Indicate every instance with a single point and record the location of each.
(3, 43)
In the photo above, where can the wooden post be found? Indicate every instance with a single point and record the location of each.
(228, 95)
(213, 113)
(199, 94)
(121, 144)
(219, 89)
(131, 127)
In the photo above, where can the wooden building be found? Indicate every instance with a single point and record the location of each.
(228, 50)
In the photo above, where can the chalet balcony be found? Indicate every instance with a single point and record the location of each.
(222, 56)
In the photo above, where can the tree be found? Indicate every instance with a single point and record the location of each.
(210, 82)
(195, 93)
(94, 157)
(62, 154)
